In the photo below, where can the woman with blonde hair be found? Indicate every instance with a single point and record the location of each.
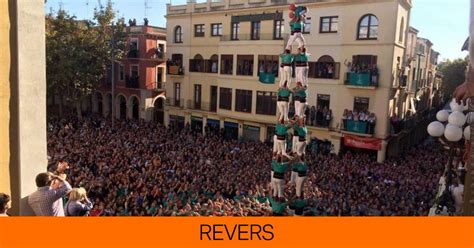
(78, 204)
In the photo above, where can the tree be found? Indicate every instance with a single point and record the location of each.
(453, 74)
(78, 53)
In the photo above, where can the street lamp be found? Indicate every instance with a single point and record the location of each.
(449, 135)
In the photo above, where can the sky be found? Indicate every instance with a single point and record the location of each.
(444, 22)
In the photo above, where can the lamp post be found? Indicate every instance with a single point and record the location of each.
(112, 59)
(450, 135)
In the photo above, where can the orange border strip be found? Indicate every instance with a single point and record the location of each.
(399, 232)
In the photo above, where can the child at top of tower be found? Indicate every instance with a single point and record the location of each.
(297, 15)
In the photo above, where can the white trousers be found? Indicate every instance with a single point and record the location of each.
(283, 109)
(293, 143)
(302, 75)
(301, 147)
(271, 179)
(281, 147)
(294, 174)
(285, 75)
(278, 187)
(296, 37)
(300, 108)
(299, 185)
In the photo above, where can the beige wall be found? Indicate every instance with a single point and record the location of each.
(340, 46)
(27, 116)
(4, 97)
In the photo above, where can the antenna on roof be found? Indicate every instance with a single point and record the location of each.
(147, 6)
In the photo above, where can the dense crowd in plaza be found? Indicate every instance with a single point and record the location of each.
(144, 169)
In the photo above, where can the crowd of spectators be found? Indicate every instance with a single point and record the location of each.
(144, 169)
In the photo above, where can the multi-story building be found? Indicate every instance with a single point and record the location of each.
(219, 51)
(139, 76)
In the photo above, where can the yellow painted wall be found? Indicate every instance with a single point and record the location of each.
(4, 98)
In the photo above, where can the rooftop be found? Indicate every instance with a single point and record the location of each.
(219, 5)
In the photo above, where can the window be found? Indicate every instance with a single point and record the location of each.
(227, 62)
(328, 24)
(361, 103)
(199, 30)
(266, 102)
(362, 63)
(243, 101)
(235, 31)
(278, 30)
(368, 28)
(133, 48)
(402, 30)
(225, 98)
(196, 64)
(177, 94)
(323, 101)
(121, 73)
(178, 34)
(307, 25)
(268, 64)
(245, 65)
(159, 75)
(325, 67)
(255, 30)
(211, 64)
(197, 96)
(216, 29)
(134, 70)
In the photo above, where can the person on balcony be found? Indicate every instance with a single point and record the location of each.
(302, 67)
(374, 74)
(285, 68)
(312, 116)
(300, 94)
(328, 117)
(345, 116)
(283, 101)
(371, 123)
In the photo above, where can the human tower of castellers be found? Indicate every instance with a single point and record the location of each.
(295, 159)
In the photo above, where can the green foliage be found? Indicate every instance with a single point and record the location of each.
(78, 52)
(453, 74)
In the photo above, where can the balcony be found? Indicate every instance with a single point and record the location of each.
(133, 54)
(361, 80)
(160, 86)
(247, 37)
(174, 102)
(202, 106)
(158, 55)
(176, 70)
(132, 82)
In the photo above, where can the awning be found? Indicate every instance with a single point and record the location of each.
(213, 122)
(363, 142)
(231, 124)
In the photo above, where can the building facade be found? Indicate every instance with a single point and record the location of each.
(139, 77)
(218, 49)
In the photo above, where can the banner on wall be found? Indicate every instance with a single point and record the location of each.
(363, 142)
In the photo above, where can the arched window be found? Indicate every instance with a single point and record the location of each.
(402, 30)
(178, 34)
(368, 28)
(326, 59)
(212, 64)
(197, 63)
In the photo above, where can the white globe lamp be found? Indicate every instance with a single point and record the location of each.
(442, 115)
(457, 118)
(453, 133)
(467, 133)
(436, 129)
